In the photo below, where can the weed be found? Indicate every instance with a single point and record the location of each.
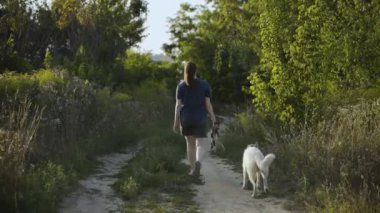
(129, 188)
(157, 169)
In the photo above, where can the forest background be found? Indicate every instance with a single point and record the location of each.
(302, 76)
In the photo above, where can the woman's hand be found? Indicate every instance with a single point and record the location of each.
(215, 123)
(176, 127)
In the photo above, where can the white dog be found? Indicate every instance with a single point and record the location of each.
(254, 166)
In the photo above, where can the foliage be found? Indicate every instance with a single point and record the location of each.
(69, 33)
(298, 56)
(310, 50)
(80, 121)
(339, 152)
(210, 39)
(43, 186)
(138, 67)
(332, 165)
(129, 188)
(17, 35)
(19, 121)
(11, 83)
(44, 77)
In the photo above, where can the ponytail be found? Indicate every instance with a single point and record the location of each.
(189, 73)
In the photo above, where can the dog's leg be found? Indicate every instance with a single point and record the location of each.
(265, 183)
(252, 176)
(258, 181)
(253, 188)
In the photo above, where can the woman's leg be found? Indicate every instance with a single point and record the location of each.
(191, 150)
(199, 154)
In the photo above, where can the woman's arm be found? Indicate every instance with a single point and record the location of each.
(177, 108)
(210, 110)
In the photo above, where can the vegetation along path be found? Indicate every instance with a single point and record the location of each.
(95, 193)
(222, 191)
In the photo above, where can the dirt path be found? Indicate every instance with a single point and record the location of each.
(95, 194)
(222, 193)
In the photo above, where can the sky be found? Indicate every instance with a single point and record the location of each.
(157, 28)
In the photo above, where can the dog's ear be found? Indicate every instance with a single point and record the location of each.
(253, 145)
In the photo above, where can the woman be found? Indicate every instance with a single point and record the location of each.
(192, 105)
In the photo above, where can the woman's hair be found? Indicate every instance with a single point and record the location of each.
(189, 73)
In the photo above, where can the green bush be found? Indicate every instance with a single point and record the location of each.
(10, 83)
(120, 96)
(44, 77)
(129, 188)
(44, 185)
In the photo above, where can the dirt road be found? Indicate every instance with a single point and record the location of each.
(222, 193)
(95, 194)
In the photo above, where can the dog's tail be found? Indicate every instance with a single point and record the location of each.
(267, 161)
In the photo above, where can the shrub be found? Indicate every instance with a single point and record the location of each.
(129, 188)
(121, 96)
(11, 83)
(44, 77)
(43, 186)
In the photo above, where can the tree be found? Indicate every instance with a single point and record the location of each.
(89, 35)
(17, 41)
(210, 39)
(310, 50)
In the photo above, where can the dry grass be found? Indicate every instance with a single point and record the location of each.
(337, 159)
(19, 120)
(331, 166)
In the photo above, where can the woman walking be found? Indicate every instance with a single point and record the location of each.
(190, 118)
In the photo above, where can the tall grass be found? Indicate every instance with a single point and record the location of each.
(44, 152)
(338, 158)
(19, 121)
(331, 166)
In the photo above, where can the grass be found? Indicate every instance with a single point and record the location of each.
(331, 166)
(79, 122)
(155, 180)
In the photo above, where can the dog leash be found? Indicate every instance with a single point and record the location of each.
(214, 132)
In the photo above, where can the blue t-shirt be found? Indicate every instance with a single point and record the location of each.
(194, 100)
